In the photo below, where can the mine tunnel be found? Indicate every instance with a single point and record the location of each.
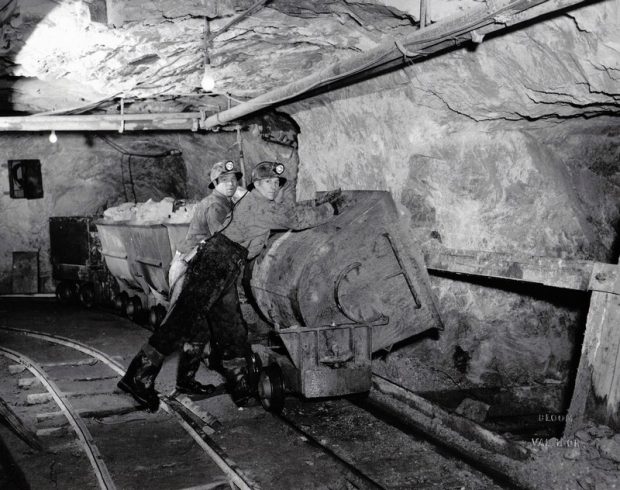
(289, 244)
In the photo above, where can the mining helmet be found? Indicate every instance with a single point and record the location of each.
(222, 168)
(268, 170)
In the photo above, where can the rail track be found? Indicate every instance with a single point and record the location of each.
(323, 444)
(192, 422)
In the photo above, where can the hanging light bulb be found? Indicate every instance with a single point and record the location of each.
(208, 82)
(53, 138)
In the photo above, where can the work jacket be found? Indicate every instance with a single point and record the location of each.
(209, 215)
(254, 216)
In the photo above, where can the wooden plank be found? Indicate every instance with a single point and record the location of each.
(27, 382)
(547, 271)
(13, 422)
(103, 122)
(597, 383)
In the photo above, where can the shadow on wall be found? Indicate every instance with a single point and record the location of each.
(151, 170)
(10, 21)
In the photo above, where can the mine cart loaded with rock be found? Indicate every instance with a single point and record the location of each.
(138, 243)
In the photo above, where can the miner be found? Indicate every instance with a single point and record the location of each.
(208, 217)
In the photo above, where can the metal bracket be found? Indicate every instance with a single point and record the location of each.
(121, 129)
(402, 270)
(406, 54)
(203, 117)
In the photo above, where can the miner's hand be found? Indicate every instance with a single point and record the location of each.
(329, 196)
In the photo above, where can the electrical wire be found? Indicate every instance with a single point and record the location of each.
(120, 149)
(133, 186)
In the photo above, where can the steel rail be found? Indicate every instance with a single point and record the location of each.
(351, 473)
(84, 435)
(171, 406)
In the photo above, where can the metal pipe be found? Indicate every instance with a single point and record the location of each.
(423, 5)
(253, 9)
(449, 33)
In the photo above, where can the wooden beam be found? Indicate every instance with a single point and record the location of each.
(394, 404)
(547, 271)
(597, 386)
(104, 122)
(451, 32)
(462, 425)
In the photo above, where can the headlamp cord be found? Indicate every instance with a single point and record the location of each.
(232, 213)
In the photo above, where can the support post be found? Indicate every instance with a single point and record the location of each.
(423, 13)
(597, 386)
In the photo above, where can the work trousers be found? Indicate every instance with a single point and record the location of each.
(208, 302)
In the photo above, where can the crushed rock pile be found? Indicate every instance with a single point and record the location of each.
(165, 211)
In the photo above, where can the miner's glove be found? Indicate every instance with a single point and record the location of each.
(328, 196)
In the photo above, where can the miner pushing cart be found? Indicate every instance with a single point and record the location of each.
(335, 293)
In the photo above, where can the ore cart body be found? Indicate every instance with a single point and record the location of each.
(77, 267)
(139, 257)
(336, 294)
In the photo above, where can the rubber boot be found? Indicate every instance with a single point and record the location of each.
(237, 380)
(139, 380)
(189, 362)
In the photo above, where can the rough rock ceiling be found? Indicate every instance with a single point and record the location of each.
(65, 53)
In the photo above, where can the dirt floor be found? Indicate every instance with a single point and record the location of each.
(588, 461)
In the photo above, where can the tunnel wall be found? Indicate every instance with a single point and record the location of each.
(474, 162)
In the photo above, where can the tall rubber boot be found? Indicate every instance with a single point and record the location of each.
(189, 362)
(139, 380)
(235, 371)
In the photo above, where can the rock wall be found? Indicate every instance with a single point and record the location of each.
(76, 181)
(487, 150)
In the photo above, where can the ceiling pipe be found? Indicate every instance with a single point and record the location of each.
(451, 32)
(250, 11)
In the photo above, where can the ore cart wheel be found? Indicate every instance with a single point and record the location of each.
(271, 388)
(87, 295)
(117, 301)
(63, 292)
(133, 310)
(121, 302)
(254, 368)
(156, 315)
(67, 292)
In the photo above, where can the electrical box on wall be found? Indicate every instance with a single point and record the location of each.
(25, 181)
